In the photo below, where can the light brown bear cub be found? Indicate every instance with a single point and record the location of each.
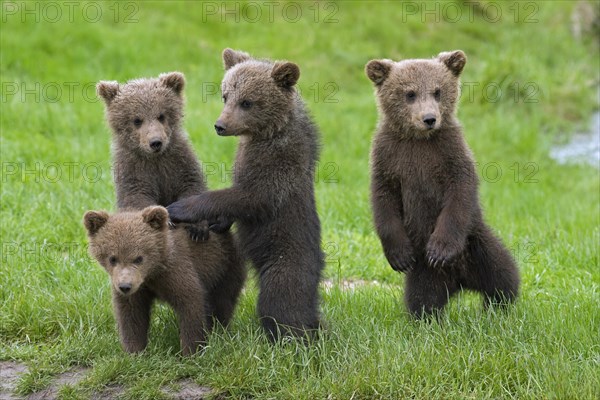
(146, 261)
(154, 163)
(424, 188)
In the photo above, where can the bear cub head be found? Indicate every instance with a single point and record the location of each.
(131, 246)
(144, 114)
(258, 95)
(418, 96)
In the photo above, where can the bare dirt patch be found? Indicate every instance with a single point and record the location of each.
(110, 392)
(10, 372)
(347, 285)
(189, 390)
(70, 378)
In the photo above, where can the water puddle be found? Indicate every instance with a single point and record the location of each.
(582, 148)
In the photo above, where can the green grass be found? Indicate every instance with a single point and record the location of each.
(55, 308)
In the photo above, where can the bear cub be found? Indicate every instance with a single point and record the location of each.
(424, 188)
(146, 261)
(154, 163)
(272, 198)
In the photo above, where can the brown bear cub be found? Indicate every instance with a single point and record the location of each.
(272, 198)
(154, 163)
(424, 188)
(146, 260)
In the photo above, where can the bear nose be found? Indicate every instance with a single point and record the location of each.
(125, 287)
(155, 145)
(429, 120)
(220, 128)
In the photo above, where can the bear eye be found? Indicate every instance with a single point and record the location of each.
(437, 94)
(224, 98)
(138, 122)
(138, 260)
(246, 104)
(161, 118)
(411, 96)
(112, 260)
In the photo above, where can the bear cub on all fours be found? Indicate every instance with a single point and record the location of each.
(146, 261)
(154, 163)
(272, 198)
(424, 188)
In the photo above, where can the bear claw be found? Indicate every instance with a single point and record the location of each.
(437, 259)
(198, 232)
(400, 262)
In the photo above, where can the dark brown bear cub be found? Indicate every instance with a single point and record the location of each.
(272, 197)
(424, 188)
(146, 261)
(154, 163)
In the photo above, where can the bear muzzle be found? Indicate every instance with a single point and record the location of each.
(156, 145)
(220, 128)
(226, 129)
(125, 287)
(126, 281)
(154, 139)
(429, 120)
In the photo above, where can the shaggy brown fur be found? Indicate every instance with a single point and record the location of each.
(424, 188)
(154, 163)
(272, 198)
(146, 260)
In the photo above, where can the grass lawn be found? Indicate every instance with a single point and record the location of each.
(526, 85)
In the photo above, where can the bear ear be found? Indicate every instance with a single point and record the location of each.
(233, 57)
(454, 60)
(173, 80)
(378, 70)
(156, 216)
(285, 74)
(94, 220)
(108, 90)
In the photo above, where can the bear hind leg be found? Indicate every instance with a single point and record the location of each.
(288, 302)
(427, 291)
(224, 296)
(492, 270)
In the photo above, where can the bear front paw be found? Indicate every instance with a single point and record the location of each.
(220, 225)
(199, 231)
(441, 253)
(401, 258)
(183, 210)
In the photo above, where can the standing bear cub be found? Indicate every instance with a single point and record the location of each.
(154, 163)
(272, 198)
(146, 260)
(424, 188)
